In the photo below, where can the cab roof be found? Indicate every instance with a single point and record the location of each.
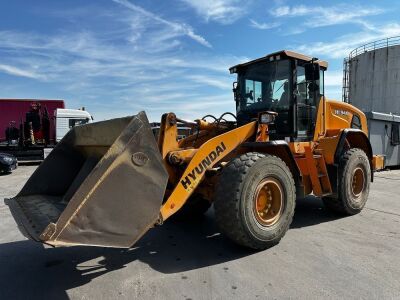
(277, 56)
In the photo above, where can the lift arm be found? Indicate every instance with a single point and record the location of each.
(208, 155)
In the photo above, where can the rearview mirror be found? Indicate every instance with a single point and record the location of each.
(234, 86)
(311, 71)
(235, 90)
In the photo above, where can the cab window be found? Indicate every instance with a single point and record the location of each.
(77, 122)
(265, 87)
(355, 122)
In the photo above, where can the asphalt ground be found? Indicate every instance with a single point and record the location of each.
(321, 256)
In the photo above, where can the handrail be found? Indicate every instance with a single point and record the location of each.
(383, 43)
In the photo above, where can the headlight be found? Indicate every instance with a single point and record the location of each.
(267, 118)
(6, 159)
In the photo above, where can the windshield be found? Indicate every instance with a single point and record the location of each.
(265, 86)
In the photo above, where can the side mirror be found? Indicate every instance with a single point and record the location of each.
(234, 86)
(235, 91)
(311, 71)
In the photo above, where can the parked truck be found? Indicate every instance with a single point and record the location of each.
(31, 128)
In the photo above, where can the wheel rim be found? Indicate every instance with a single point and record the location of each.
(268, 201)
(357, 182)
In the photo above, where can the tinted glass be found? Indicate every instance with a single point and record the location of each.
(265, 87)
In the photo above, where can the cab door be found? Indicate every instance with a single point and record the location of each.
(307, 94)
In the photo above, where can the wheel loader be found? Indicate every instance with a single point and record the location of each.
(107, 183)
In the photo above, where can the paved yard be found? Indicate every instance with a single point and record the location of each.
(321, 256)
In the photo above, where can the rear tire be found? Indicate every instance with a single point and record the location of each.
(353, 183)
(255, 200)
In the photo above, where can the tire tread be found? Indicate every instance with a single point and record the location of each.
(228, 198)
(337, 204)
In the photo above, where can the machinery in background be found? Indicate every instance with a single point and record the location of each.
(29, 129)
(183, 130)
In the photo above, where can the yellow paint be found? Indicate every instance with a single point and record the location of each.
(168, 136)
(298, 147)
(262, 133)
(378, 162)
(328, 146)
(183, 156)
(332, 118)
(338, 115)
(230, 140)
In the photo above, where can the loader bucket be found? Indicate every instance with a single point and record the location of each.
(102, 185)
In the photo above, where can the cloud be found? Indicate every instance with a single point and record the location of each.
(341, 47)
(177, 28)
(116, 62)
(333, 78)
(214, 81)
(220, 11)
(19, 72)
(320, 16)
(263, 26)
(280, 11)
(118, 70)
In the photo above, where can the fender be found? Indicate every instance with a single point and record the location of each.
(281, 149)
(357, 139)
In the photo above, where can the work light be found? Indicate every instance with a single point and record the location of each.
(267, 117)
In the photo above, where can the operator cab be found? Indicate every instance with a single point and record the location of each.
(285, 82)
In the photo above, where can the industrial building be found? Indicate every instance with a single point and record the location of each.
(371, 82)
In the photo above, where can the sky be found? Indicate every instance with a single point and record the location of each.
(118, 57)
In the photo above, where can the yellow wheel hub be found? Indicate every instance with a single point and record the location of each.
(268, 201)
(357, 182)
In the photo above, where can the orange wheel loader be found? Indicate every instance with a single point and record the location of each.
(107, 183)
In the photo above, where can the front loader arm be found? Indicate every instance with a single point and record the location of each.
(207, 156)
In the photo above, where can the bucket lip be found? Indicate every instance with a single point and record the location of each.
(20, 218)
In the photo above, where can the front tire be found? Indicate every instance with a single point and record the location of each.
(353, 183)
(255, 200)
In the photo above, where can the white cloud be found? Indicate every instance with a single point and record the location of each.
(113, 74)
(333, 78)
(221, 11)
(12, 70)
(342, 46)
(177, 28)
(218, 82)
(320, 16)
(281, 11)
(263, 26)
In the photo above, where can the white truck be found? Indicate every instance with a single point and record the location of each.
(69, 118)
(65, 120)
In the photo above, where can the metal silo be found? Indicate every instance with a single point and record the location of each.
(371, 82)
